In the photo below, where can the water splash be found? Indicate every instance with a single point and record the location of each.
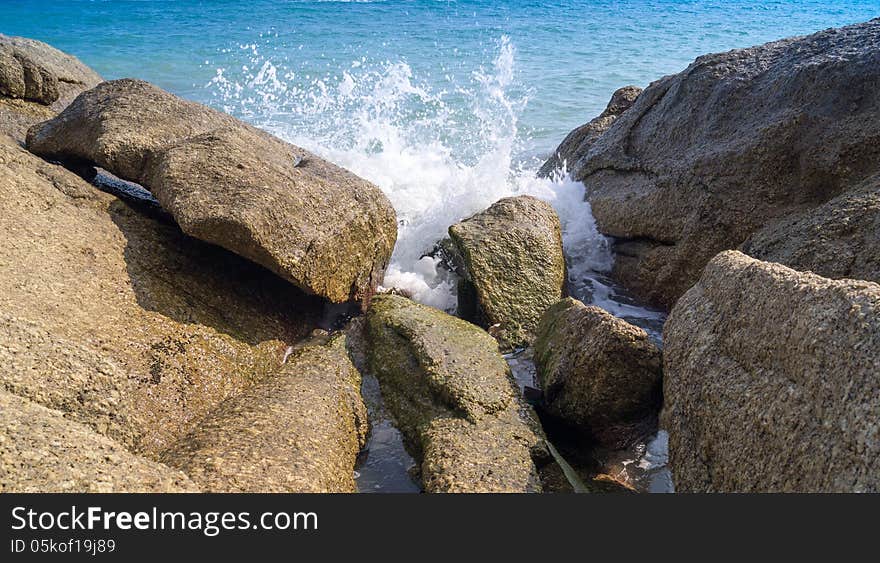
(440, 154)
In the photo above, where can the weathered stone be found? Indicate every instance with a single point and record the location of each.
(295, 432)
(36, 82)
(598, 373)
(735, 142)
(567, 156)
(512, 265)
(43, 452)
(21, 77)
(840, 239)
(121, 321)
(225, 182)
(453, 398)
(771, 381)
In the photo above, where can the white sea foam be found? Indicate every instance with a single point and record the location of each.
(440, 155)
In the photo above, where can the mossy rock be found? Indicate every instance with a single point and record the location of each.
(453, 398)
(512, 267)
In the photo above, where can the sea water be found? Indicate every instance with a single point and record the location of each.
(446, 106)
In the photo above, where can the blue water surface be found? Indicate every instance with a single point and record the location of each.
(571, 55)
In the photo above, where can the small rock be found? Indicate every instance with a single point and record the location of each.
(598, 373)
(512, 267)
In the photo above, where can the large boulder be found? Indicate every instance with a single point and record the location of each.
(454, 400)
(567, 156)
(319, 226)
(36, 82)
(733, 143)
(296, 432)
(598, 373)
(512, 267)
(121, 321)
(840, 239)
(771, 381)
(43, 452)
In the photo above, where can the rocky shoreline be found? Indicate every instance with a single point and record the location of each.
(214, 336)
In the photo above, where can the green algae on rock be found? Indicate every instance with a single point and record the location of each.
(453, 398)
(317, 225)
(599, 373)
(294, 432)
(512, 267)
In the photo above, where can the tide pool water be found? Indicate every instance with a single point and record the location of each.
(447, 106)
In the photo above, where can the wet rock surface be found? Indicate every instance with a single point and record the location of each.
(598, 373)
(771, 381)
(227, 183)
(737, 141)
(453, 398)
(512, 267)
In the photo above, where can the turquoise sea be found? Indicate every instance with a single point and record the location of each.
(447, 106)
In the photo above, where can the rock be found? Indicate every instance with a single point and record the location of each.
(771, 381)
(42, 452)
(512, 267)
(599, 373)
(567, 155)
(299, 431)
(121, 321)
(36, 82)
(840, 239)
(454, 400)
(227, 183)
(735, 142)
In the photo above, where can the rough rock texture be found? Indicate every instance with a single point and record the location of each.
(738, 140)
(772, 381)
(225, 182)
(41, 451)
(512, 267)
(454, 400)
(567, 156)
(37, 81)
(118, 319)
(598, 372)
(299, 431)
(840, 239)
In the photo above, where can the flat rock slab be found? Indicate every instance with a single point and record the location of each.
(41, 451)
(512, 267)
(295, 432)
(453, 398)
(771, 381)
(317, 225)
